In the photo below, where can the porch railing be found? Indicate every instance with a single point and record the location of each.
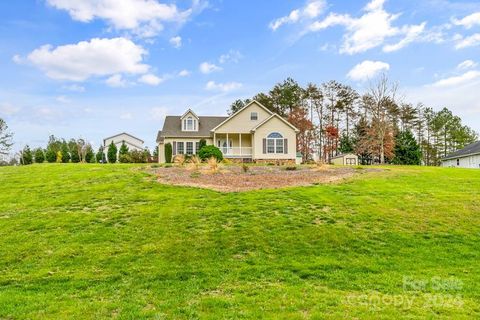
(236, 151)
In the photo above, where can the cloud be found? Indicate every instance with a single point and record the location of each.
(224, 87)
(6, 109)
(97, 57)
(63, 99)
(367, 70)
(74, 87)
(370, 30)
(311, 10)
(145, 18)
(158, 113)
(462, 79)
(469, 21)
(116, 81)
(176, 42)
(207, 67)
(467, 64)
(470, 41)
(232, 56)
(126, 116)
(150, 79)
(184, 73)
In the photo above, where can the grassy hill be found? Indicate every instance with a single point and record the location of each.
(105, 241)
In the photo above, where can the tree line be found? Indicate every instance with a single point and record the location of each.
(377, 125)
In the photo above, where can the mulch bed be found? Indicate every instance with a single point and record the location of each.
(232, 178)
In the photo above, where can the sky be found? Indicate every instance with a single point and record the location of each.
(93, 68)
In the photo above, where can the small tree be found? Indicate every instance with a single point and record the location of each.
(60, 156)
(65, 155)
(147, 155)
(346, 145)
(406, 150)
(168, 153)
(112, 153)
(74, 149)
(50, 155)
(39, 155)
(27, 156)
(100, 156)
(5, 138)
(210, 151)
(123, 154)
(89, 155)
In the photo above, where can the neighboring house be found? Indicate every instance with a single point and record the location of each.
(133, 143)
(253, 133)
(468, 157)
(348, 159)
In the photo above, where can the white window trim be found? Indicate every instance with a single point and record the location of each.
(275, 144)
(194, 124)
(251, 116)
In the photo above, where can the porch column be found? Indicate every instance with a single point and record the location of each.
(240, 141)
(228, 144)
(214, 139)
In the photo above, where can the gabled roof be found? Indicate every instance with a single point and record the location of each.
(187, 112)
(172, 127)
(246, 106)
(120, 135)
(274, 115)
(471, 149)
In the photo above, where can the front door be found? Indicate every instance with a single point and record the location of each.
(223, 146)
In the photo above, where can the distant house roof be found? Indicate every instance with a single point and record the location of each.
(121, 134)
(172, 127)
(471, 149)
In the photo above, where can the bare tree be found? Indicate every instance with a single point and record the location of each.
(5, 138)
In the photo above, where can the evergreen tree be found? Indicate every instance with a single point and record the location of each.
(50, 156)
(27, 156)
(89, 155)
(168, 152)
(407, 150)
(73, 148)
(123, 155)
(39, 155)
(346, 145)
(65, 155)
(100, 156)
(112, 153)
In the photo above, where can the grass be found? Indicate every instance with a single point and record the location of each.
(106, 241)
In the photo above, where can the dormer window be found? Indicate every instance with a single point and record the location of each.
(190, 124)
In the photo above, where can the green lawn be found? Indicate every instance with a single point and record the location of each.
(105, 241)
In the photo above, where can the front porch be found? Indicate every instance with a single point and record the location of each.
(234, 145)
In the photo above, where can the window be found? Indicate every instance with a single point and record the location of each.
(180, 149)
(458, 162)
(189, 148)
(275, 143)
(254, 116)
(197, 147)
(190, 124)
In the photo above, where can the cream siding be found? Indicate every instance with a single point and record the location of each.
(465, 162)
(241, 123)
(274, 125)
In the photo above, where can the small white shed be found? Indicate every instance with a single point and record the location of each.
(347, 159)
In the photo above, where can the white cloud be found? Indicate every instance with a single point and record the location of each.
(469, 21)
(470, 41)
(126, 116)
(224, 87)
(74, 87)
(150, 79)
(232, 56)
(370, 30)
(97, 57)
(367, 70)
(207, 67)
(7, 109)
(467, 64)
(184, 73)
(462, 79)
(63, 99)
(158, 113)
(176, 42)
(116, 81)
(145, 18)
(311, 10)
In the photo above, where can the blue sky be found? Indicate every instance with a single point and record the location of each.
(94, 68)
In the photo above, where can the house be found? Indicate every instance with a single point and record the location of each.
(468, 157)
(133, 143)
(253, 133)
(348, 159)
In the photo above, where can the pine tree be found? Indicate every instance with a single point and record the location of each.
(27, 156)
(100, 156)
(407, 150)
(50, 156)
(39, 155)
(112, 153)
(123, 156)
(65, 152)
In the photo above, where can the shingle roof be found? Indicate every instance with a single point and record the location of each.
(173, 127)
(473, 148)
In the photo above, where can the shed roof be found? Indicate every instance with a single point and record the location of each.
(471, 149)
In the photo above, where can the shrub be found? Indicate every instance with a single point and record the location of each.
(65, 155)
(50, 156)
(168, 153)
(202, 143)
(123, 151)
(245, 167)
(59, 156)
(194, 162)
(210, 151)
(112, 153)
(100, 156)
(124, 158)
(179, 159)
(39, 155)
(89, 155)
(138, 156)
(27, 156)
(291, 168)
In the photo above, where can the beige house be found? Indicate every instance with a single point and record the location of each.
(348, 159)
(253, 133)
